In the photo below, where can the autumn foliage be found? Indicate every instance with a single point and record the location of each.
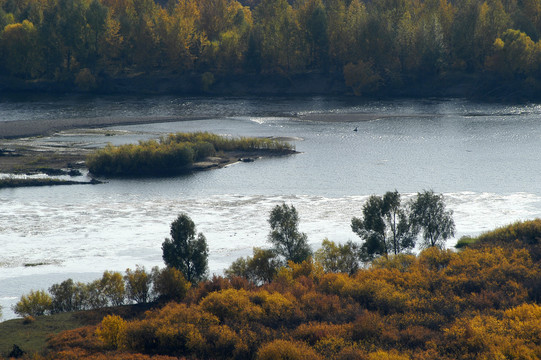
(478, 303)
(373, 45)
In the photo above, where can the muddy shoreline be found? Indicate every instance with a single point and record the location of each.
(26, 148)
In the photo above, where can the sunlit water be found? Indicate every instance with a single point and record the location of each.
(484, 158)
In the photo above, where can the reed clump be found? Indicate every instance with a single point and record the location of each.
(174, 153)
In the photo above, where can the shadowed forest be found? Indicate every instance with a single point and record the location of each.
(366, 47)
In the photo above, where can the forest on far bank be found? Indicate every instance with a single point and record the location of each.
(335, 46)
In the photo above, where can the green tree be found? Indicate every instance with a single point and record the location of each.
(401, 234)
(285, 236)
(385, 226)
(95, 297)
(63, 296)
(428, 214)
(170, 284)
(72, 29)
(259, 269)
(371, 228)
(339, 258)
(186, 252)
(96, 16)
(36, 303)
(312, 18)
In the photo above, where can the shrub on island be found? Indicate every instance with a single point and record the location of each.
(173, 154)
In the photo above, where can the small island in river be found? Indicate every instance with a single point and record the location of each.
(171, 155)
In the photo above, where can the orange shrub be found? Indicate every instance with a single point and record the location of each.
(82, 338)
(286, 350)
(313, 332)
(231, 305)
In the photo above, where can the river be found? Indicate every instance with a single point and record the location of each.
(484, 158)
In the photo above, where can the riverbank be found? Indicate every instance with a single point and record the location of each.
(481, 87)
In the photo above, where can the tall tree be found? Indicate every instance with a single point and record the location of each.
(428, 214)
(285, 235)
(492, 21)
(185, 251)
(371, 228)
(385, 226)
(96, 16)
(18, 44)
(278, 32)
(72, 29)
(312, 18)
(401, 233)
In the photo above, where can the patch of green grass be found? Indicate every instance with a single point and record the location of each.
(31, 337)
(465, 241)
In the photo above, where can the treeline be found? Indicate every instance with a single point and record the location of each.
(374, 45)
(137, 286)
(481, 302)
(173, 154)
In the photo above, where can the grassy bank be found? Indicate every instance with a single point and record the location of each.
(31, 335)
(175, 153)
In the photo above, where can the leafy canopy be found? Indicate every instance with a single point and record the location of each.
(429, 215)
(285, 236)
(185, 251)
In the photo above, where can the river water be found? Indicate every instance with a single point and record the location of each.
(484, 158)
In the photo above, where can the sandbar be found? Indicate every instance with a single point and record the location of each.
(39, 127)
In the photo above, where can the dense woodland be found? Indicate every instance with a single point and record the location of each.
(370, 46)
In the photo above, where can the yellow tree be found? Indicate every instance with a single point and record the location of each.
(18, 44)
(111, 44)
(492, 21)
(178, 36)
(514, 54)
(278, 32)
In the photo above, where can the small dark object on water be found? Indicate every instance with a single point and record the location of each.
(247, 159)
(74, 172)
(52, 172)
(355, 129)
